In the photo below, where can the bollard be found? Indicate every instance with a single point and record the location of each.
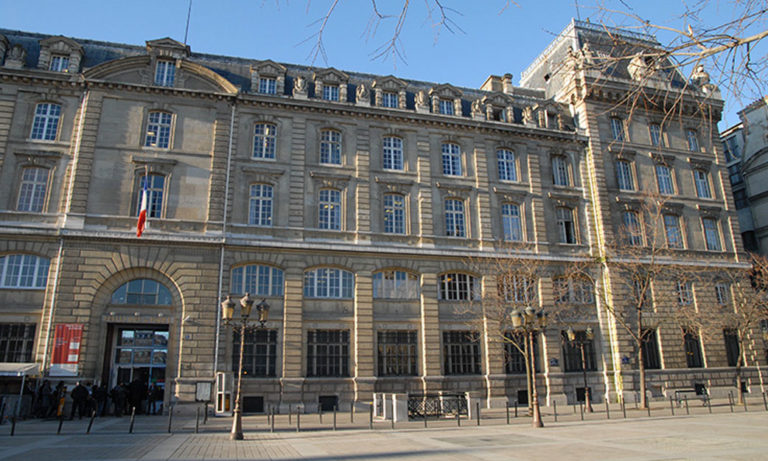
(90, 423)
(745, 403)
(321, 414)
(392, 421)
(133, 417)
(687, 412)
(730, 401)
(197, 420)
(425, 416)
(61, 421)
(290, 411)
(709, 404)
(170, 417)
(574, 408)
(477, 412)
(636, 399)
(352, 412)
(765, 402)
(458, 418)
(581, 410)
(554, 403)
(272, 421)
(298, 421)
(13, 425)
(671, 405)
(205, 416)
(370, 417)
(607, 409)
(507, 405)
(515, 409)
(334, 417)
(649, 409)
(623, 407)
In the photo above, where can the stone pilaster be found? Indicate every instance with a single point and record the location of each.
(82, 149)
(425, 219)
(363, 347)
(298, 174)
(483, 205)
(219, 159)
(362, 210)
(430, 330)
(293, 335)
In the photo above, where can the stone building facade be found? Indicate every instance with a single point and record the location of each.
(349, 202)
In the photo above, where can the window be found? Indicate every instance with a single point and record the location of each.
(560, 175)
(573, 291)
(155, 185)
(389, 99)
(257, 280)
(259, 352)
(328, 283)
(331, 92)
(740, 199)
(672, 230)
(651, 356)
(458, 287)
(264, 140)
(461, 352)
(267, 85)
(565, 225)
(511, 222)
(624, 175)
(732, 149)
(59, 63)
(515, 360)
(656, 136)
(732, 347)
(684, 293)
(664, 180)
(165, 73)
(395, 285)
(260, 205)
(711, 234)
(16, 342)
(572, 352)
(394, 214)
(329, 211)
(693, 140)
(445, 107)
(451, 159)
(507, 165)
(397, 353)
(142, 291)
(23, 271)
(392, 157)
(158, 130)
(632, 228)
(617, 129)
(454, 218)
(692, 346)
(518, 288)
(330, 147)
(723, 293)
(45, 126)
(34, 185)
(701, 179)
(328, 353)
(734, 174)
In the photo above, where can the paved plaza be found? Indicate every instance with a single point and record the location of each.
(698, 435)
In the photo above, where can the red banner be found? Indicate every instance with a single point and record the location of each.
(66, 349)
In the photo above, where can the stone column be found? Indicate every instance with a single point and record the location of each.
(363, 342)
(430, 333)
(293, 340)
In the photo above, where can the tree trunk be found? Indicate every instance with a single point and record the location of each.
(739, 389)
(641, 369)
(528, 376)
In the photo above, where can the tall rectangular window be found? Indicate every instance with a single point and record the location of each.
(505, 159)
(692, 347)
(155, 184)
(394, 214)
(701, 179)
(45, 126)
(264, 140)
(328, 353)
(461, 353)
(672, 230)
(451, 159)
(445, 107)
(518, 289)
(396, 353)
(560, 175)
(59, 63)
(723, 293)
(329, 213)
(617, 129)
(331, 92)
(158, 130)
(693, 140)
(260, 205)
(514, 358)
(664, 180)
(16, 342)
(458, 287)
(565, 225)
(267, 85)
(392, 155)
(651, 356)
(454, 218)
(711, 234)
(511, 222)
(330, 147)
(732, 346)
(656, 136)
(165, 72)
(390, 99)
(34, 186)
(624, 175)
(632, 228)
(572, 352)
(395, 285)
(684, 293)
(259, 354)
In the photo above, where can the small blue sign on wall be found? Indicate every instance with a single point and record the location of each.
(553, 362)
(625, 360)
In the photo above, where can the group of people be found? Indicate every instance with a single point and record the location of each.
(85, 399)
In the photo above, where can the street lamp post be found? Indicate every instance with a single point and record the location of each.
(241, 324)
(580, 343)
(530, 322)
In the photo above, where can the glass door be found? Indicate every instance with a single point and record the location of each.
(140, 353)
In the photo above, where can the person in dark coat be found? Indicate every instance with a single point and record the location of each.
(99, 394)
(79, 400)
(118, 395)
(46, 395)
(137, 392)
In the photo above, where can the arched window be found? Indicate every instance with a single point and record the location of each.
(518, 288)
(142, 291)
(395, 285)
(46, 123)
(392, 155)
(158, 130)
(329, 283)
(573, 291)
(23, 271)
(458, 287)
(257, 280)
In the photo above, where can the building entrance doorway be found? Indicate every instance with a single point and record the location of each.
(138, 353)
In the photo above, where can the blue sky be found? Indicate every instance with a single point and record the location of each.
(488, 38)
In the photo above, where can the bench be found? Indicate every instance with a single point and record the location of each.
(699, 390)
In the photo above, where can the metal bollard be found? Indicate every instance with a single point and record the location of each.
(687, 412)
(392, 421)
(205, 416)
(425, 416)
(13, 425)
(730, 401)
(607, 409)
(290, 411)
(709, 404)
(765, 402)
(458, 418)
(352, 412)
(623, 407)
(554, 403)
(170, 417)
(507, 407)
(334, 417)
(61, 422)
(477, 412)
(321, 414)
(671, 405)
(298, 421)
(197, 420)
(515, 409)
(370, 417)
(649, 409)
(133, 417)
(745, 403)
(581, 410)
(90, 423)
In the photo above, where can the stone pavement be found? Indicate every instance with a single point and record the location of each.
(700, 436)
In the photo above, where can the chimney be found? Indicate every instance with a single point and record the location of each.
(506, 84)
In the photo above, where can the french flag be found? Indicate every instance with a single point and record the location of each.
(143, 210)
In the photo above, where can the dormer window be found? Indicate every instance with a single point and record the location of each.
(267, 85)
(331, 92)
(445, 107)
(165, 73)
(59, 63)
(389, 99)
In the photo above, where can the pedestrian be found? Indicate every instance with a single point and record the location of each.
(99, 394)
(137, 392)
(46, 395)
(79, 400)
(59, 400)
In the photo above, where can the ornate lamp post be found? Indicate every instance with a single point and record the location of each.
(530, 322)
(241, 324)
(575, 341)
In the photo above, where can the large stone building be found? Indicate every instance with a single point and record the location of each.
(350, 202)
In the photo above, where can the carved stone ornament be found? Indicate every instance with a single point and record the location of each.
(300, 86)
(528, 116)
(363, 93)
(421, 98)
(700, 77)
(477, 109)
(587, 56)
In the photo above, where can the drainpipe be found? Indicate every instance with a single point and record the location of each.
(53, 303)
